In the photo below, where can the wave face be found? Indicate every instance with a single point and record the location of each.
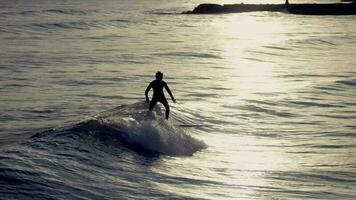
(149, 130)
(138, 129)
(63, 163)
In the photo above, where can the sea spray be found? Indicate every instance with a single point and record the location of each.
(149, 130)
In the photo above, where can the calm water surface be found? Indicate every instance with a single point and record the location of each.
(266, 102)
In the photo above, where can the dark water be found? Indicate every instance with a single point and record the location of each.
(266, 103)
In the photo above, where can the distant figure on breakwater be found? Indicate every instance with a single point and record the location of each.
(287, 2)
(158, 94)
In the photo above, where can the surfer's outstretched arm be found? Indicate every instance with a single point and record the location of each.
(169, 92)
(146, 92)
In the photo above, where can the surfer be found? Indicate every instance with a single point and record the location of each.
(158, 95)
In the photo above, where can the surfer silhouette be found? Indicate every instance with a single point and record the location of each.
(158, 95)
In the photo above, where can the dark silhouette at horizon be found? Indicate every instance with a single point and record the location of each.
(158, 94)
(344, 7)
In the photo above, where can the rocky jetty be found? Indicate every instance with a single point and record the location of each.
(302, 9)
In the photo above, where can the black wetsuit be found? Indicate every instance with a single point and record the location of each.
(158, 95)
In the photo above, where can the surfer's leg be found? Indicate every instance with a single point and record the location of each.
(165, 103)
(153, 103)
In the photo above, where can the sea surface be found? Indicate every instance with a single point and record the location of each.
(266, 102)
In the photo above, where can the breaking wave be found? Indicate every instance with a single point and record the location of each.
(136, 128)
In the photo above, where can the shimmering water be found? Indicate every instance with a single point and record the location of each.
(266, 102)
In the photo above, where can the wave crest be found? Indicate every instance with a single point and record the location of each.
(149, 130)
(137, 129)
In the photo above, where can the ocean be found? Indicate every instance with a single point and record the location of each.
(266, 102)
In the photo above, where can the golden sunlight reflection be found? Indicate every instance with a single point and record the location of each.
(239, 162)
(255, 67)
(255, 31)
(247, 35)
(250, 153)
(251, 72)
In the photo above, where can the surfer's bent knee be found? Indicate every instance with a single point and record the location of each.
(152, 104)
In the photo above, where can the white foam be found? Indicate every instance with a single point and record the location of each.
(151, 131)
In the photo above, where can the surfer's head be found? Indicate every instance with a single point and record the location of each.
(159, 75)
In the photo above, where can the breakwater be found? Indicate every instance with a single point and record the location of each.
(303, 9)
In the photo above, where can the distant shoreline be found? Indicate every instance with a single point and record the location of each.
(301, 9)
